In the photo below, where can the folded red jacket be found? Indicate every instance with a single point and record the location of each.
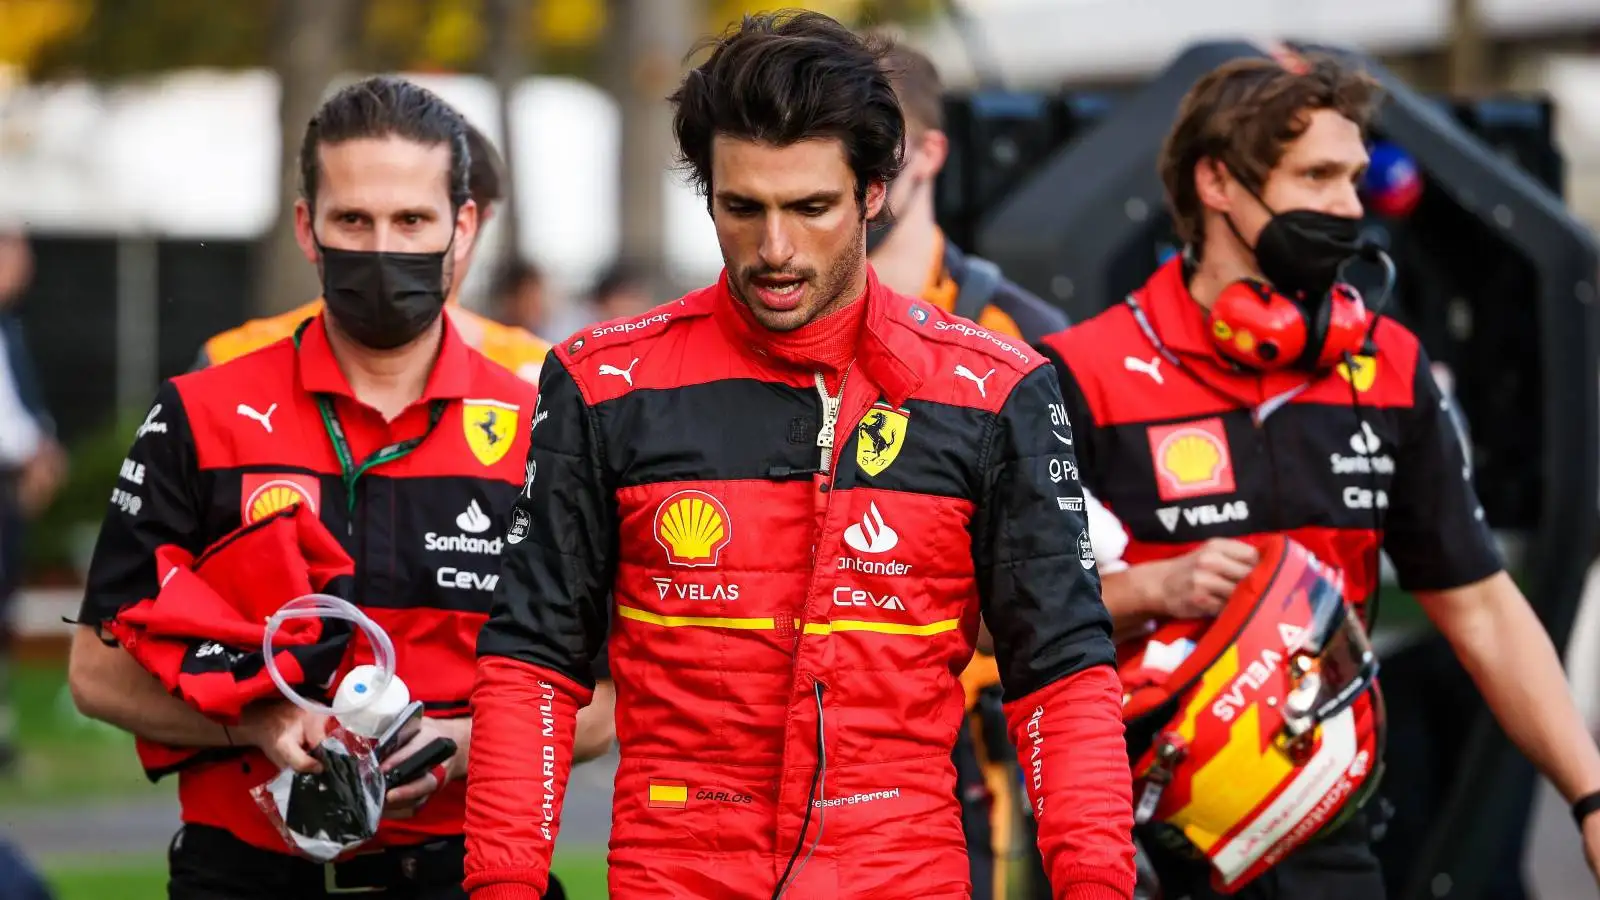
(201, 634)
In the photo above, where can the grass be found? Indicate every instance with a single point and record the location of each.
(145, 878)
(65, 757)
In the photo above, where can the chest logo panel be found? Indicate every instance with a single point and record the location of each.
(490, 427)
(262, 495)
(879, 437)
(1191, 459)
(693, 527)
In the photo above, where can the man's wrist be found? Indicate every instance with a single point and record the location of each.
(1585, 806)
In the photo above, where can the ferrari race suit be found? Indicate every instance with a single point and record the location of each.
(790, 622)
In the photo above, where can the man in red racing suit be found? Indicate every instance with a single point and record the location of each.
(800, 488)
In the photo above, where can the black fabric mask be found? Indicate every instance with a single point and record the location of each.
(383, 300)
(1301, 251)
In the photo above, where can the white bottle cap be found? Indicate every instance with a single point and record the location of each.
(370, 720)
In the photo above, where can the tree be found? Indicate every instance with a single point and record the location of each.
(308, 48)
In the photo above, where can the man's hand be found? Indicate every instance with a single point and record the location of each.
(41, 478)
(284, 732)
(404, 801)
(1198, 583)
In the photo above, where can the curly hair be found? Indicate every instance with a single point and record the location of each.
(784, 77)
(1243, 113)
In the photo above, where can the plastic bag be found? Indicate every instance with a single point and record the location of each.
(324, 814)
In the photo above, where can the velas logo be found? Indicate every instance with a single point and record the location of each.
(262, 495)
(490, 427)
(1191, 459)
(693, 527)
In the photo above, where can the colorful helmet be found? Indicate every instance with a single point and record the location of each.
(1254, 731)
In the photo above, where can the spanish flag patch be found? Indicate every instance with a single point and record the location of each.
(668, 794)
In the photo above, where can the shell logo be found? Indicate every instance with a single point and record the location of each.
(1191, 459)
(693, 527)
(275, 496)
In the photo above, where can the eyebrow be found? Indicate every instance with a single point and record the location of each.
(421, 212)
(816, 197)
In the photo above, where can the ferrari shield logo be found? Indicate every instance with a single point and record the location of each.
(491, 428)
(1366, 372)
(879, 438)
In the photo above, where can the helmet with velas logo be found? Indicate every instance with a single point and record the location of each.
(1257, 730)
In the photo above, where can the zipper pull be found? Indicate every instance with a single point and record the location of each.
(830, 421)
(1169, 752)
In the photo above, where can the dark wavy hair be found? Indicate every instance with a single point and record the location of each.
(783, 77)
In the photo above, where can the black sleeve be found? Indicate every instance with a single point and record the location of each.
(155, 501)
(550, 607)
(1434, 531)
(1037, 583)
(1077, 412)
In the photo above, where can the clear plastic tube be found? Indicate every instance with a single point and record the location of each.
(323, 606)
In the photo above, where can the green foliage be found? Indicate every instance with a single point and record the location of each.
(56, 541)
(109, 39)
(133, 37)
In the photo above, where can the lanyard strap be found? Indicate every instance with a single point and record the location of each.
(350, 470)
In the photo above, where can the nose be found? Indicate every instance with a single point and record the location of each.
(1347, 202)
(776, 248)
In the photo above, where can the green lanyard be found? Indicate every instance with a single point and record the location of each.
(349, 469)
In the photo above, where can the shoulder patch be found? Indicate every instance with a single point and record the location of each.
(944, 328)
(620, 332)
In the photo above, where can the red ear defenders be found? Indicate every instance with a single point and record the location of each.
(1258, 327)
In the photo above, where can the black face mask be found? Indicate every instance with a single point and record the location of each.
(1301, 251)
(383, 300)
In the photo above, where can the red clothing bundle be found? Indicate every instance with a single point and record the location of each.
(201, 635)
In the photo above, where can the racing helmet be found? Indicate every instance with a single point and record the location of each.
(1255, 731)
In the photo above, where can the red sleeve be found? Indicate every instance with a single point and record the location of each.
(1075, 765)
(523, 718)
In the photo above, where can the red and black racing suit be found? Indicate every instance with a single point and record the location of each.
(789, 622)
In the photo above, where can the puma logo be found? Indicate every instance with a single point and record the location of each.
(265, 418)
(1151, 368)
(626, 374)
(964, 372)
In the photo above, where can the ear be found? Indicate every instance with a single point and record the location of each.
(304, 233)
(1212, 181)
(466, 231)
(935, 150)
(877, 193)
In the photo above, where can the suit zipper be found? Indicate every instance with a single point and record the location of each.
(830, 419)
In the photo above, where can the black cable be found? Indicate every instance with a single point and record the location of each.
(805, 821)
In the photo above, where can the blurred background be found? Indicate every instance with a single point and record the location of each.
(146, 181)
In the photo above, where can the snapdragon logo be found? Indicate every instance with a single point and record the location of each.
(626, 327)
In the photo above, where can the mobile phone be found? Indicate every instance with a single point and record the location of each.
(402, 729)
(417, 764)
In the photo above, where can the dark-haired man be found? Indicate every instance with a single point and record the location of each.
(800, 488)
(1198, 439)
(511, 346)
(406, 443)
